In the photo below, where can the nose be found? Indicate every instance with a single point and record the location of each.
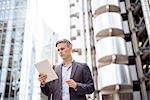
(60, 52)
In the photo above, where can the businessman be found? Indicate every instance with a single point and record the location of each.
(74, 78)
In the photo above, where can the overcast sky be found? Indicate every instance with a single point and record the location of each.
(56, 14)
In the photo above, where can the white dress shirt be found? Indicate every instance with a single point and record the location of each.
(66, 72)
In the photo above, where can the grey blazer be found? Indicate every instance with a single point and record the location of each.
(80, 73)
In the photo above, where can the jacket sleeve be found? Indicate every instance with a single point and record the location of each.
(87, 87)
(47, 89)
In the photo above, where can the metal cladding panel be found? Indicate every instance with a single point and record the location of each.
(133, 72)
(73, 32)
(122, 96)
(107, 47)
(122, 8)
(126, 27)
(78, 43)
(74, 9)
(106, 21)
(136, 95)
(100, 6)
(129, 48)
(75, 21)
(112, 75)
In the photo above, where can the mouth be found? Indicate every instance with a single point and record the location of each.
(61, 55)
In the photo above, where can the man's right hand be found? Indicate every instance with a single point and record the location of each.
(42, 78)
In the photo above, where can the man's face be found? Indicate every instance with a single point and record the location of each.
(64, 50)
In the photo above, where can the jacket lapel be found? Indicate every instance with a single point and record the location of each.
(74, 67)
(59, 73)
(59, 70)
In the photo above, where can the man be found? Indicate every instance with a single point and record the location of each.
(74, 78)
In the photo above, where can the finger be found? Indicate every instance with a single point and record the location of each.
(42, 76)
(68, 81)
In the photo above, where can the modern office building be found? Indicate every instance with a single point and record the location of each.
(12, 22)
(20, 47)
(116, 38)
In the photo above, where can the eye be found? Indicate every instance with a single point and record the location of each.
(61, 49)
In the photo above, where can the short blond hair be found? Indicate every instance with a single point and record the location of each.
(67, 42)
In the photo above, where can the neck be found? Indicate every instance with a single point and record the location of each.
(67, 61)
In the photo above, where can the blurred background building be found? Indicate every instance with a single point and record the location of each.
(111, 36)
(20, 47)
(12, 22)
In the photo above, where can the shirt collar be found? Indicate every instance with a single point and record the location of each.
(69, 65)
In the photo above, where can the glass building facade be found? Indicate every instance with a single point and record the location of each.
(20, 48)
(12, 22)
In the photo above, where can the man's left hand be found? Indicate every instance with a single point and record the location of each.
(71, 83)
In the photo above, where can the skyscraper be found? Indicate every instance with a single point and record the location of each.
(117, 39)
(12, 21)
(24, 40)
